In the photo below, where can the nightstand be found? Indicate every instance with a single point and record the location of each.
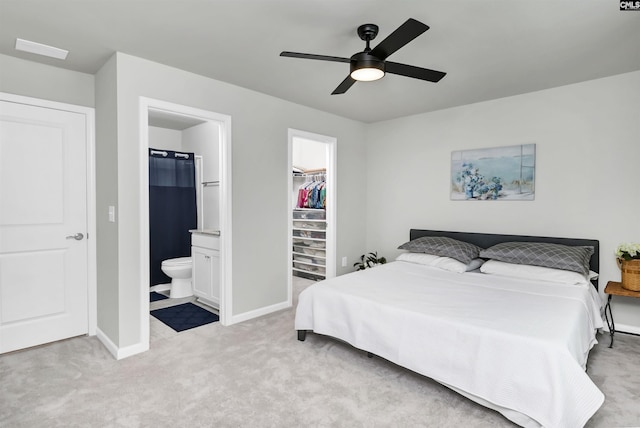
(615, 288)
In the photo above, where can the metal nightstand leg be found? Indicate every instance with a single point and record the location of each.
(611, 325)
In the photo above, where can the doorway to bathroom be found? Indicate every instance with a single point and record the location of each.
(184, 156)
(312, 208)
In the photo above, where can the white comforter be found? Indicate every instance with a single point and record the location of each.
(518, 346)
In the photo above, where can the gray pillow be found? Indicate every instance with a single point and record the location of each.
(556, 256)
(443, 246)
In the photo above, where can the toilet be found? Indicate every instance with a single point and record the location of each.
(179, 270)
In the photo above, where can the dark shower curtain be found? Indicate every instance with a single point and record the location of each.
(172, 208)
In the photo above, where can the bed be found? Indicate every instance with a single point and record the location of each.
(514, 340)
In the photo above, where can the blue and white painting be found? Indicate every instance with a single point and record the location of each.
(497, 173)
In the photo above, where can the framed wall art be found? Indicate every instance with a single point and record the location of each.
(491, 174)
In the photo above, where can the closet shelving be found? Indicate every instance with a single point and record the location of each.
(309, 243)
(309, 236)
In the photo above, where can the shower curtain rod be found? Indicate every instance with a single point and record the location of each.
(163, 153)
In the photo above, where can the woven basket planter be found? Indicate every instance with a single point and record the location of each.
(630, 274)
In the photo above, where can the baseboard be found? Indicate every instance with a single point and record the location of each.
(120, 353)
(128, 351)
(259, 312)
(104, 339)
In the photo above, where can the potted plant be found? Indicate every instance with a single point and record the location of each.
(628, 257)
(369, 260)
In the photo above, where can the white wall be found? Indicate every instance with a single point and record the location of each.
(308, 154)
(107, 195)
(260, 172)
(22, 77)
(204, 140)
(587, 138)
(165, 139)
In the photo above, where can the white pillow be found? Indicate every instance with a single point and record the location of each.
(514, 270)
(475, 264)
(446, 263)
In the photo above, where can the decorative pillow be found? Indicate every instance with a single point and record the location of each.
(556, 256)
(443, 246)
(446, 263)
(534, 273)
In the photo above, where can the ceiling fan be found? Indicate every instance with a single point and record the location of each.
(371, 64)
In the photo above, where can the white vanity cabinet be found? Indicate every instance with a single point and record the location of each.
(205, 251)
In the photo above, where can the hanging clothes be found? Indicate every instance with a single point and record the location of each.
(313, 194)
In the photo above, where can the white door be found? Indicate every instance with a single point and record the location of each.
(43, 225)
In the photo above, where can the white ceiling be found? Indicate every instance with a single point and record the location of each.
(489, 48)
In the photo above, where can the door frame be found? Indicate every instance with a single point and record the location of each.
(224, 122)
(89, 114)
(331, 152)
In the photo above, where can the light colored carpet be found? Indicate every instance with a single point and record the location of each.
(256, 374)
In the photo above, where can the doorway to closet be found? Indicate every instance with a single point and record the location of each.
(312, 206)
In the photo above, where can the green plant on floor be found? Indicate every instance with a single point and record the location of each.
(369, 260)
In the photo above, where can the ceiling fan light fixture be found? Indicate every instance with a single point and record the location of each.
(366, 68)
(370, 64)
(367, 74)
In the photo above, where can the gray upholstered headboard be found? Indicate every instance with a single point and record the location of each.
(485, 240)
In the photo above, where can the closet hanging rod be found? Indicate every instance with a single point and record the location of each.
(305, 174)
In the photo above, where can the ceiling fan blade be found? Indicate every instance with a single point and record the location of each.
(313, 56)
(415, 72)
(400, 37)
(344, 86)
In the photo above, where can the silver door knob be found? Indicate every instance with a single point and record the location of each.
(78, 236)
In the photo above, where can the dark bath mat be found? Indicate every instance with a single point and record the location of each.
(185, 316)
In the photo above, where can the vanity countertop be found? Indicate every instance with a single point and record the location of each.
(206, 231)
